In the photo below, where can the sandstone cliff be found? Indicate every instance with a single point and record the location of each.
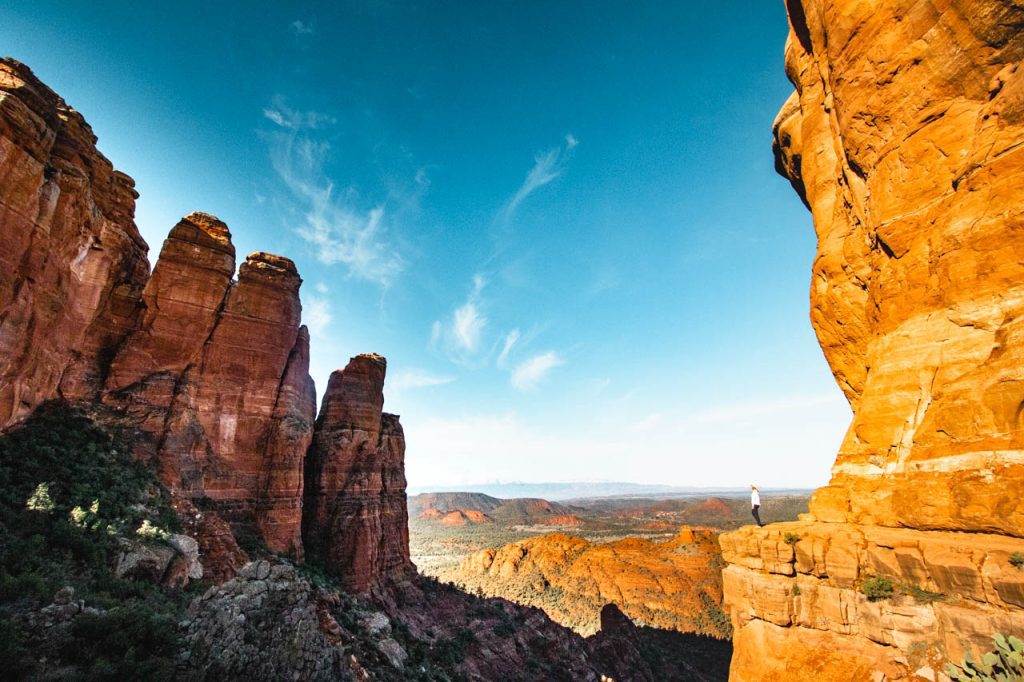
(355, 518)
(72, 262)
(210, 366)
(217, 375)
(905, 138)
(671, 585)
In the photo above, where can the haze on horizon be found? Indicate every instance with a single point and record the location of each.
(560, 224)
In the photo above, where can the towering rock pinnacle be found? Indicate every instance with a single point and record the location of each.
(217, 374)
(72, 262)
(905, 138)
(355, 516)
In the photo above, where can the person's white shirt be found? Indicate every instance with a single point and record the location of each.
(755, 498)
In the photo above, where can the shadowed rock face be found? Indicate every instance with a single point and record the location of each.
(355, 516)
(905, 137)
(72, 262)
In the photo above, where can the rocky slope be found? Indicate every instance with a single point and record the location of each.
(905, 138)
(271, 623)
(674, 584)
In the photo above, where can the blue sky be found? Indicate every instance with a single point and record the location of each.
(559, 221)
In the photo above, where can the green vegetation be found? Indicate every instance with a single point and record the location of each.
(791, 538)
(877, 587)
(317, 575)
(921, 595)
(1005, 662)
(69, 491)
(1017, 559)
(796, 590)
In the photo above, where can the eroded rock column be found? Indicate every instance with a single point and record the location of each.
(217, 375)
(355, 517)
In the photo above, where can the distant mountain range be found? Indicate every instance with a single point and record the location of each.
(582, 489)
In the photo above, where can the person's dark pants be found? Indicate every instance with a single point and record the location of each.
(757, 517)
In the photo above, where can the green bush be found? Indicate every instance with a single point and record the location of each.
(877, 587)
(921, 595)
(791, 538)
(1005, 662)
(123, 644)
(1017, 559)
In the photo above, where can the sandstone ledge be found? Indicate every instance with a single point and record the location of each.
(797, 608)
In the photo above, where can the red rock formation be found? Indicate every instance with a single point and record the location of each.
(355, 518)
(905, 137)
(218, 375)
(72, 262)
(674, 584)
(214, 372)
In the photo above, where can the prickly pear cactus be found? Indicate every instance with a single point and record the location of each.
(1003, 664)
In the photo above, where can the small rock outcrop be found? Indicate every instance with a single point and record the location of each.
(355, 518)
(905, 138)
(262, 625)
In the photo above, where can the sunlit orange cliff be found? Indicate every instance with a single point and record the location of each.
(905, 138)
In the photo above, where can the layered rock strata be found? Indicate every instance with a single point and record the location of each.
(217, 374)
(355, 518)
(72, 262)
(905, 138)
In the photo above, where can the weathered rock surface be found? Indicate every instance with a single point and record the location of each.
(263, 625)
(355, 518)
(72, 262)
(672, 585)
(217, 374)
(905, 137)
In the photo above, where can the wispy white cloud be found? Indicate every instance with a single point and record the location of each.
(316, 313)
(467, 325)
(461, 337)
(530, 372)
(283, 115)
(301, 28)
(417, 378)
(340, 232)
(547, 166)
(510, 340)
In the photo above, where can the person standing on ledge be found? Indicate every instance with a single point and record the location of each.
(755, 504)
